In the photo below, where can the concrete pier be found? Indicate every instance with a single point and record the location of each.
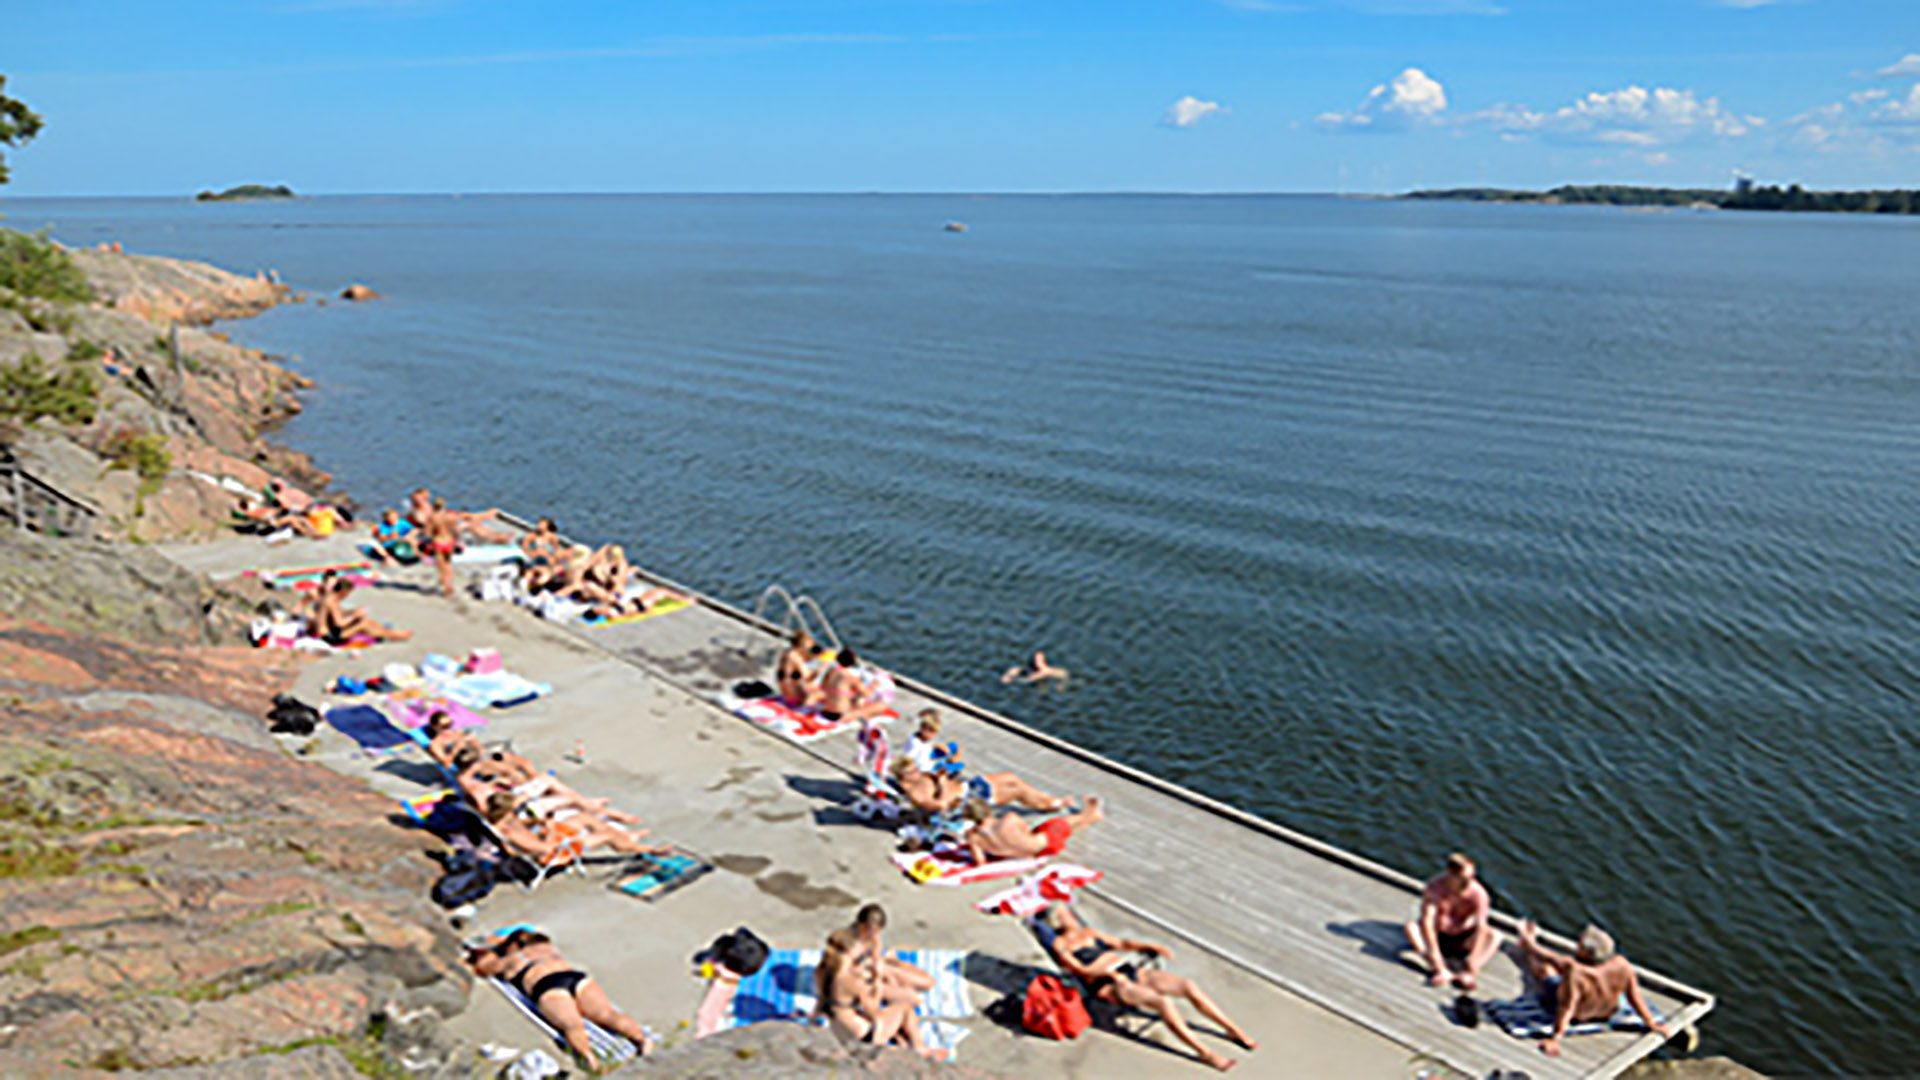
(1298, 940)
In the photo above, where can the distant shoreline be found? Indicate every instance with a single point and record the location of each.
(1793, 199)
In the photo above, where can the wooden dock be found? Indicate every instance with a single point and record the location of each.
(1313, 919)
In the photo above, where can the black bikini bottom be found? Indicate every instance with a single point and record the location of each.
(567, 981)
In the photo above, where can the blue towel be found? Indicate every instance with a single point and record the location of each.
(664, 874)
(367, 726)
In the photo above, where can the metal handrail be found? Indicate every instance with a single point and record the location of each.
(793, 616)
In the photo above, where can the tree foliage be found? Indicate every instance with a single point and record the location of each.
(1793, 198)
(18, 124)
(34, 267)
(31, 389)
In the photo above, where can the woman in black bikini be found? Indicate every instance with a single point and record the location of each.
(566, 997)
(794, 674)
(854, 1007)
(1098, 960)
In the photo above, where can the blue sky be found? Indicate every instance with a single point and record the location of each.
(337, 96)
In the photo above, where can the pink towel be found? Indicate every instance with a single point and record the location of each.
(413, 712)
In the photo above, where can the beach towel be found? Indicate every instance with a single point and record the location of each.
(608, 1048)
(943, 868)
(662, 874)
(783, 990)
(1055, 884)
(800, 725)
(367, 726)
(496, 689)
(306, 577)
(420, 807)
(413, 712)
(1527, 1017)
(666, 606)
(487, 553)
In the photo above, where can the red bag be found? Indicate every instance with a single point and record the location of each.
(1053, 1010)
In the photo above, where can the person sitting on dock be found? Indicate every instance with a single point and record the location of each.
(793, 672)
(1007, 835)
(336, 624)
(856, 1011)
(1586, 986)
(393, 539)
(604, 579)
(544, 556)
(942, 792)
(1100, 962)
(566, 997)
(843, 695)
(1038, 671)
(890, 976)
(1452, 926)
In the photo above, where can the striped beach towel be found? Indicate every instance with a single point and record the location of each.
(939, 868)
(1527, 1017)
(800, 725)
(783, 990)
(608, 1048)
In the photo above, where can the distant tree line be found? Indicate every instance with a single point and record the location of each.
(247, 191)
(1771, 197)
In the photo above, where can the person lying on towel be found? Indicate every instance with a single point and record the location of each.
(337, 624)
(1008, 836)
(1100, 962)
(563, 836)
(566, 996)
(484, 773)
(602, 579)
(942, 793)
(1585, 986)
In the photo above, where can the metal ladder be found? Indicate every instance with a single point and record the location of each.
(794, 615)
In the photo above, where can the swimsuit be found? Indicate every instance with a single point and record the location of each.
(567, 981)
(1056, 831)
(1456, 946)
(1097, 985)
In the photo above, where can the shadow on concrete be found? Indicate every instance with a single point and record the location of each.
(413, 772)
(840, 794)
(1378, 938)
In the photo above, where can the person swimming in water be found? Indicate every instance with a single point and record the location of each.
(1038, 671)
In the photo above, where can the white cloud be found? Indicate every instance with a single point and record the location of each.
(1412, 97)
(1189, 111)
(1901, 68)
(1900, 112)
(1864, 97)
(1631, 116)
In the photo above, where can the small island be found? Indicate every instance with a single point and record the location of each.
(245, 192)
(1744, 195)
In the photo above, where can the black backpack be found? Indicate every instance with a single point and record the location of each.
(741, 952)
(291, 716)
(468, 879)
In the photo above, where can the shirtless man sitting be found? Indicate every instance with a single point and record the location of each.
(843, 695)
(889, 976)
(336, 624)
(1452, 926)
(1009, 836)
(1586, 986)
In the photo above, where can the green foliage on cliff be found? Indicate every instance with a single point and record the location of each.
(246, 191)
(18, 124)
(35, 268)
(143, 452)
(1792, 198)
(30, 390)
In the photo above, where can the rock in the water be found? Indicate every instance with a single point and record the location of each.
(357, 291)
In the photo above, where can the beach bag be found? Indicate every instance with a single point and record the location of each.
(466, 881)
(1053, 1010)
(742, 952)
(291, 716)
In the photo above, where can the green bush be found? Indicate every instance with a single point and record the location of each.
(144, 452)
(31, 266)
(29, 390)
(82, 351)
